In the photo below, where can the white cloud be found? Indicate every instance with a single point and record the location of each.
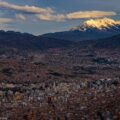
(50, 17)
(48, 14)
(4, 23)
(26, 8)
(5, 20)
(74, 15)
(20, 17)
(89, 14)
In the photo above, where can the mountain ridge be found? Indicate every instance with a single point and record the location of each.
(25, 41)
(29, 42)
(90, 29)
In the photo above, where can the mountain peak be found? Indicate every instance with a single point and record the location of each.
(99, 24)
(90, 30)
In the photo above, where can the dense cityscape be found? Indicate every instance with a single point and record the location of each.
(44, 86)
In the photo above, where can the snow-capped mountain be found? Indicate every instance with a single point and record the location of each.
(90, 29)
(99, 24)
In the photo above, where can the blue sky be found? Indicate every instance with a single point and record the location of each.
(44, 16)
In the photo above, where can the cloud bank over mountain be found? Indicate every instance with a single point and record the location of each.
(89, 14)
(48, 14)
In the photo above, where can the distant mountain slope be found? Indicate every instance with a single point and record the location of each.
(24, 41)
(91, 29)
(106, 43)
(97, 34)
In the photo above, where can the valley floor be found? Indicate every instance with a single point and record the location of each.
(61, 84)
